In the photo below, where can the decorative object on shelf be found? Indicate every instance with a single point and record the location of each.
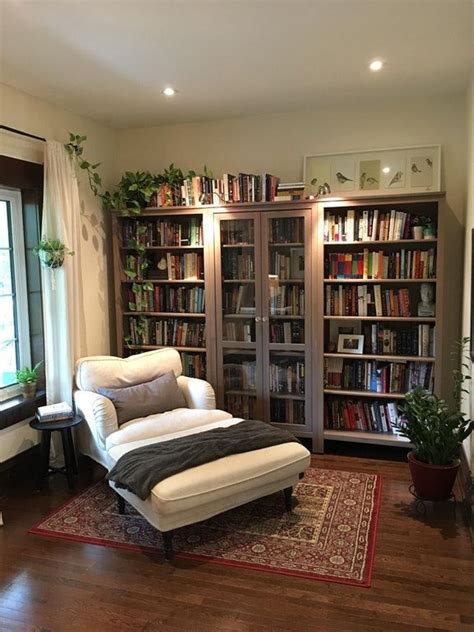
(52, 252)
(377, 171)
(27, 379)
(426, 307)
(437, 431)
(350, 343)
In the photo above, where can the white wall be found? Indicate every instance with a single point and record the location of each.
(469, 443)
(24, 112)
(278, 142)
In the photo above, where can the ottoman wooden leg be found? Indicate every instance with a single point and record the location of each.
(288, 501)
(167, 544)
(120, 504)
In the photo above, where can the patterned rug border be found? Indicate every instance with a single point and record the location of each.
(157, 552)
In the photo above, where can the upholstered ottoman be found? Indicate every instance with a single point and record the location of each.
(209, 489)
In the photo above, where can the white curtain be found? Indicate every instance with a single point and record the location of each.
(63, 306)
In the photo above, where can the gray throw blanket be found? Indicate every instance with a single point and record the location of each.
(141, 469)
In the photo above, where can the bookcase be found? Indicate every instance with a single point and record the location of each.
(264, 315)
(269, 301)
(389, 310)
(163, 285)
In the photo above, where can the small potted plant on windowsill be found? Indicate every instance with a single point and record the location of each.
(27, 379)
(436, 430)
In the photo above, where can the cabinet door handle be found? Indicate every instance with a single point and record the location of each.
(264, 319)
(258, 319)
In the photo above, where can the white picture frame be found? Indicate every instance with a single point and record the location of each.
(372, 172)
(350, 343)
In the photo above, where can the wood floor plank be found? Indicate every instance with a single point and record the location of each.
(423, 576)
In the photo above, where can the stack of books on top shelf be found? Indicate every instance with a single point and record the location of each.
(405, 264)
(243, 187)
(54, 412)
(360, 415)
(362, 300)
(368, 226)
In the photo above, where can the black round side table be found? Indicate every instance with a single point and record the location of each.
(47, 428)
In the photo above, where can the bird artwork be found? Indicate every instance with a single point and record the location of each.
(342, 178)
(313, 182)
(396, 178)
(327, 188)
(429, 162)
(372, 181)
(414, 168)
(362, 178)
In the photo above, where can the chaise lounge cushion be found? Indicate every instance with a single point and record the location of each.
(140, 400)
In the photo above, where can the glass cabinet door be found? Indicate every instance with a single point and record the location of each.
(238, 309)
(286, 317)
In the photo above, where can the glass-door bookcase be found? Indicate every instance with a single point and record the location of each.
(263, 301)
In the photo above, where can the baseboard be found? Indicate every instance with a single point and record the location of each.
(466, 486)
(21, 464)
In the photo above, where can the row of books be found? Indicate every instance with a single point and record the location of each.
(287, 300)
(240, 405)
(163, 232)
(172, 332)
(287, 411)
(370, 225)
(237, 231)
(167, 299)
(287, 376)
(237, 265)
(360, 415)
(189, 266)
(284, 265)
(202, 190)
(194, 364)
(239, 299)
(288, 230)
(239, 331)
(416, 340)
(240, 376)
(377, 376)
(362, 300)
(287, 332)
(405, 264)
(54, 412)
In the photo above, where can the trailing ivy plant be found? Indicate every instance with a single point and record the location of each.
(52, 252)
(133, 193)
(75, 149)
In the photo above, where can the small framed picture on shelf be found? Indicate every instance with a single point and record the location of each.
(350, 343)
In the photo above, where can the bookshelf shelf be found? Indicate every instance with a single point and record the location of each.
(407, 319)
(296, 244)
(382, 242)
(237, 245)
(165, 248)
(360, 393)
(246, 393)
(167, 281)
(381, 357)
(238, 280)
(287, 396)
(364, 281)
(168, 314)
(150, 347)
(358, 436)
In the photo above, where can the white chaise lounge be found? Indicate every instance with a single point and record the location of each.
(195, 494)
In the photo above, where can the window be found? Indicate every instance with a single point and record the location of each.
(14, 322)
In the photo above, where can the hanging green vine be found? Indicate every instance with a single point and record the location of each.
(75, 149)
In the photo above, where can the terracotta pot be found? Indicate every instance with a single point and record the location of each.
(432, 482)
(28, 390)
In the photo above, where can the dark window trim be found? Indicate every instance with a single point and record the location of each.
(17, 409)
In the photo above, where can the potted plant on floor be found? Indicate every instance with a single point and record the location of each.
(27, 379)
(436, 430)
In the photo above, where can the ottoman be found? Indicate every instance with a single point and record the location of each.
(206, 490)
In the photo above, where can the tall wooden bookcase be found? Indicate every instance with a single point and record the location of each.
(270, 338)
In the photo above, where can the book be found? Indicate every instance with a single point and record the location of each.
(55, 412)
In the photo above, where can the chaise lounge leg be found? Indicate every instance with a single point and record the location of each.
(120, 504)
(167, 544)
(288, 498)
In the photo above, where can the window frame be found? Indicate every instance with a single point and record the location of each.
(13, 199)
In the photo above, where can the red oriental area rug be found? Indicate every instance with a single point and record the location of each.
(329, 535)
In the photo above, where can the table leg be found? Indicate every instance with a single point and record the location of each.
(69, 458)
(45, 448)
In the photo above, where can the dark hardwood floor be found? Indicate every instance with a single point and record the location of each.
(423, 576)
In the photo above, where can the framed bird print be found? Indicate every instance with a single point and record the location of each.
(374, 172)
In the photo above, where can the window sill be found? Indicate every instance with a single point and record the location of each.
(14, 410)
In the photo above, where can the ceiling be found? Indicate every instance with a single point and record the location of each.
(110, 60)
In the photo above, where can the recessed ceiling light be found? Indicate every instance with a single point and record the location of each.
(169, 91)
(376, 65)
(386, 169)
